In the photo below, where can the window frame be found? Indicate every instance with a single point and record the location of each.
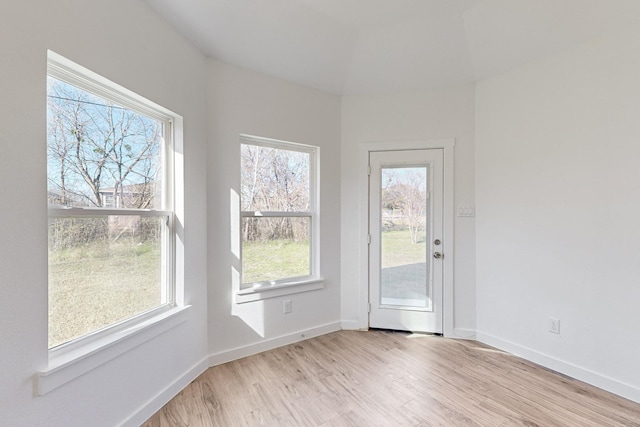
(252, 291)
(71, 73)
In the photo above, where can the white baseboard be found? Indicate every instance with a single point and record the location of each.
(164, 396)
(464, 334)
(251, 349)
(590, 377)
(354, 325)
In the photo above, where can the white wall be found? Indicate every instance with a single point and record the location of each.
(245, 102)
(558, 202)
(421, 115)
(557, 205)
(126, 42)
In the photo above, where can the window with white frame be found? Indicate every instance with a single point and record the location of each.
(278, 211)
(110, 205)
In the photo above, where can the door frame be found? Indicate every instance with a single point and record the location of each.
(448, 147)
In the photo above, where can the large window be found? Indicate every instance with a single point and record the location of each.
(110, 205)
(278, 198)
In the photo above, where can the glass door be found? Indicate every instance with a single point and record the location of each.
(406, 217)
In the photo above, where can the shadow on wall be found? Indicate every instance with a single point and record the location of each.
(252, 314)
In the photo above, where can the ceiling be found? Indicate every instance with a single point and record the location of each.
(384, 46)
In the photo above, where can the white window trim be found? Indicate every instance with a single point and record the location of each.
(70, 360)
(248, 292)
(261, 291)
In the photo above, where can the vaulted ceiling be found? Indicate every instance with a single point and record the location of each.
(378, 46)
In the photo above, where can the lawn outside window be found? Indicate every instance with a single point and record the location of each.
(278, 218)
(110, 194)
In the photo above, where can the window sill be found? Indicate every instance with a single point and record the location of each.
(263, 291)
(68, 366)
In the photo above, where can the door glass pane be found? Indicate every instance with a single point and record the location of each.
(404, 276)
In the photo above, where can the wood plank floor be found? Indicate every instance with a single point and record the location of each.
(381, 378)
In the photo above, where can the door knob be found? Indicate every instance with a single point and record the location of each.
(437, 255)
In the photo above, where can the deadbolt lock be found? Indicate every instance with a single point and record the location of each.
(437, 242)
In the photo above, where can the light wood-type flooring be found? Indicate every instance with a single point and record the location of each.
(382, 378)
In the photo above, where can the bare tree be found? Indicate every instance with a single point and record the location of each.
(415, 197)
(404, 189)
(274, 180)
(95, 146)
(96, 150)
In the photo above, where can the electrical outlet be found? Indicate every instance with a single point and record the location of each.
(554, 325)
(466, 211)
(287, 306)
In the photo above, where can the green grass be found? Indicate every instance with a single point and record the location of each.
(397, 249)
(271, 260)
(94, 286)
(97, 285)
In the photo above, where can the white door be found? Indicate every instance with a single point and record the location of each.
(406, 240)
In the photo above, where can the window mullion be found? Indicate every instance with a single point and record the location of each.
(97, 212)
(279, 214)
